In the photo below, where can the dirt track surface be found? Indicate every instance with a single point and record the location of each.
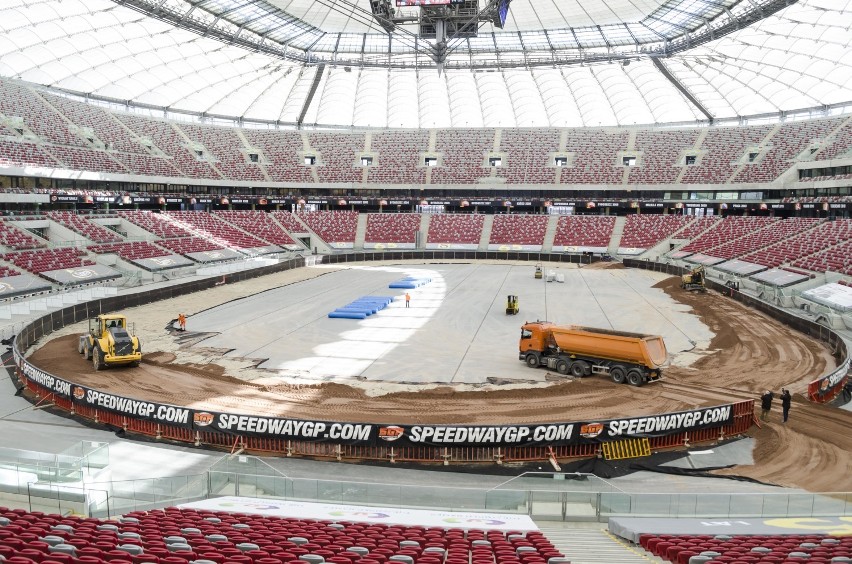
(749, 354)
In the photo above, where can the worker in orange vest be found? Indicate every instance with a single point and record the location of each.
(407, 299)
(181, 322)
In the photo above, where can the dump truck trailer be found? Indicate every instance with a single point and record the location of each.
(582, 351)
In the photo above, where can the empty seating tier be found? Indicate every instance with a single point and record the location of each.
(44, 260)
(462, 229)
(130, 251)
(726, 230)
(768, 549)
(84, 227)
(463, 155)
(392, 227)
(527, 152)
(17, 239)
(823, 238)
(157, 224)
(259, 223)
(332, 226)
(584, 231)
(290, 222)
(398, 157)
(339, 156)
(769, 235)
(646, 231)
(517, 229)
(595, 157)
(662, 155)
(207, 226)
(178, 536)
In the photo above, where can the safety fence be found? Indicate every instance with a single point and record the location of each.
(821, 390)
(50, 389)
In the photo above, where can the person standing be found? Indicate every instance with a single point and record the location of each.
(182, 322)
(765, 405)
(407, 299)
(785, 402)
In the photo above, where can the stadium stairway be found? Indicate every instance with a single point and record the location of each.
(550, 234)
(590, 543)
(361, 231)
(487, 225)
(617, 232)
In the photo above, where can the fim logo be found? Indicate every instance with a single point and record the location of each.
(202, 418)
(391, 433)
(78, 393)
(591, 430)
(163, 261)
(4, 287)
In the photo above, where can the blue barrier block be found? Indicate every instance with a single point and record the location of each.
(346, 315)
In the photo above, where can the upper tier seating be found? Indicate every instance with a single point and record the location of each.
(661, 151)
(64, 125)
(527, 155)
(584, 231)
(130, 251)
(281, 148)
(517, 229)
(823, 237)
(20, 101)
(165, 136)
(43, 260)
(17, 239)
(840, 146)
(177, 536)
(101, 121)
(84, 227)
(726, 230)
(398, 157)
(392, 227)
(773, 233)
(81, 158)
(228, 150)
(259, 223)
(646, 231)
(464, 229)
(159, 224)
(595, 157)
(209, 226)
(724, 147)
(290, 222)
(332, 226)
(339, 152)
(463, 153)
(768, 549)
(788, 142)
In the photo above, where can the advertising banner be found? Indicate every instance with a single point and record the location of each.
(132, 408)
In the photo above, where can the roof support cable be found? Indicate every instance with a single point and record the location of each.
(681, 88)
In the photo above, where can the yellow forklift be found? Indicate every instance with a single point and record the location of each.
(512, 305)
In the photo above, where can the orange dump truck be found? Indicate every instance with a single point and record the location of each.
(580, 351)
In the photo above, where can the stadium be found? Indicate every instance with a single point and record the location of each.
(311, 232)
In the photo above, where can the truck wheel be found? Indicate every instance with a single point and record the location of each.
(532, 360)
(618, 374)
(87, 352)
(562, 366)
(97, 359)
(635, 377)
(578, 369)
(80, 346)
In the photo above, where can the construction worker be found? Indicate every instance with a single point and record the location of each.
(407, 299)
(181, 322)
(766, 405)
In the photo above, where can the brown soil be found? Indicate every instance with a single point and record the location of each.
(750, 353)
